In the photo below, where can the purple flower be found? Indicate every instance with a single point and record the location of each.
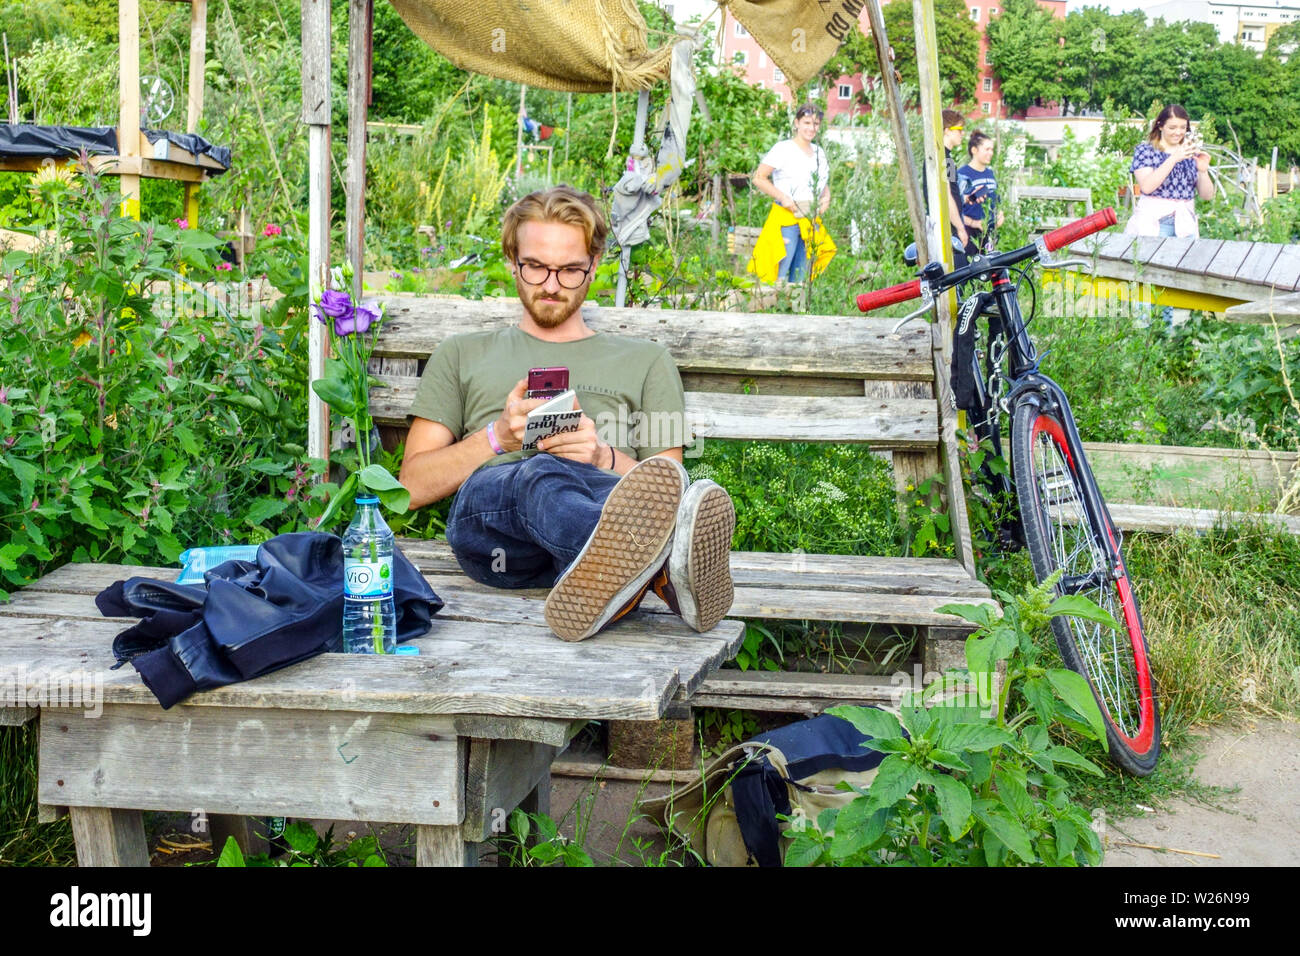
(336, 305)
(4, 395)
(359, 321)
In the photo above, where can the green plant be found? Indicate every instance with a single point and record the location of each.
(307, 848)
(551, 848)
(964, 784)
(730, 727)
(139, 414)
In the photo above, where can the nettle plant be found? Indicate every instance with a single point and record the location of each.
(972, 776)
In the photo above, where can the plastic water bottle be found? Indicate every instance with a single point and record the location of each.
(369, 614)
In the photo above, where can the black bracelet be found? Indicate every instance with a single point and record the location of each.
(611, 457)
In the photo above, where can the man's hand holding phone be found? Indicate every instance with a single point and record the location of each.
(509, 427)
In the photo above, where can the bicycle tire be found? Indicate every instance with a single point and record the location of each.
(1049, 489)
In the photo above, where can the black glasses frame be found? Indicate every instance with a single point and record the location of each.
(556, 272)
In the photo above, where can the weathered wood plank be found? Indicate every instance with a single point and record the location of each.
(1227, 261)
(108, 837)
(1259, 261)
(1285, 273)
(443, 846)
(777, 684)
(1199, 257)
(1179, 476)
(1145, 248)
(880, 422)
(727, 342)
(501, 774)
(770, 384)
(1171, 252)
(1115, 245)
(340, 765)
(1170, 520)
(629, 671)
(1284, 308)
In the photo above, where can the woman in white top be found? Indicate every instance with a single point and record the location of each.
(796, 175)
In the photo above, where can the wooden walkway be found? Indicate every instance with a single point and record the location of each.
(1209, 274)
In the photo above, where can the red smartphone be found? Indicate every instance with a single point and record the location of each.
(547, 382)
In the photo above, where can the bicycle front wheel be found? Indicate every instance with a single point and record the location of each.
(1050, 490)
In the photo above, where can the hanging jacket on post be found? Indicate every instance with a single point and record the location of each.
(253, 617)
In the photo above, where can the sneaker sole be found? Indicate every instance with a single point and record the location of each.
(700, 566)
(627, 547)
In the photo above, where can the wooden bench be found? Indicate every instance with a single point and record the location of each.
(1070, 197)
(761, 377)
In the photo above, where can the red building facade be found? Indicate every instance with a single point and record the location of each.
(738, 47)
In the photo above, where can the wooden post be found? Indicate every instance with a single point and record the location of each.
(198, 54)
(927, 62)
(898, 125)
(360, 18)
(316, 114)
(1272, 175)
(519, 134)
(128, 101)
(192, 205)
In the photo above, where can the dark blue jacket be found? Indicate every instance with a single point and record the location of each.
(252, 618)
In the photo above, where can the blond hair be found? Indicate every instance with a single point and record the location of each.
(557, 204)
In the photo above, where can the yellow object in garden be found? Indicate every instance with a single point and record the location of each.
(769, 250)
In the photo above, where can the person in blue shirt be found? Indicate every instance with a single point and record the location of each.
(979, 194)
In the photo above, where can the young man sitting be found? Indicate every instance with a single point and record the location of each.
(597, 516)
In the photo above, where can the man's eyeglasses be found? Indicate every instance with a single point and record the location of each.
(569, 277)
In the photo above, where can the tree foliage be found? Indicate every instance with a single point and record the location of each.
(1024, 49)
(958, 44)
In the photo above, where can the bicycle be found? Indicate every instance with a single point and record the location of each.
(1062, 515)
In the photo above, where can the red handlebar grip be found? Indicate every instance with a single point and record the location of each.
(1073, 231)
(895, 293)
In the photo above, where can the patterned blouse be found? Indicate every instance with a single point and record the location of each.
(1181, 181)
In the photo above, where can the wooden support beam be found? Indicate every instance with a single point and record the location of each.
(316, 114)
(898, 126)
(360, 19)
(128, 100)
(198, 54)
(936, 180)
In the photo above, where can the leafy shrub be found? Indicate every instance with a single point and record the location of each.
(139, 416)
(973, 780)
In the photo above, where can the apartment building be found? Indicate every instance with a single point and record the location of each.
(1250, 24)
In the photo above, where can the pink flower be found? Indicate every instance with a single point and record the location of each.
(182, 223)
(224, 266)
(271, 229)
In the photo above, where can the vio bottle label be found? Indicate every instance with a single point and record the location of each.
(368, 578)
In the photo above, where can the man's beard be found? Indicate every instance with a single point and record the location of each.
(549, 314)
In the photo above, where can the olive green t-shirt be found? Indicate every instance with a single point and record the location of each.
(629, 387)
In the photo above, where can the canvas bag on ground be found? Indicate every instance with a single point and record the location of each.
(729, 816)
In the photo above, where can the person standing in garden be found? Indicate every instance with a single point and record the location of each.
(795, 174)
(1170, 173)
(978, 187)
(602, 514)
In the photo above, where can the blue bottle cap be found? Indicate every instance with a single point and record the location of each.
(405, 649)
(366, 500)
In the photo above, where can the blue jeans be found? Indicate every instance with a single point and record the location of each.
(520, 524)
(1167, 229)
(794, 266)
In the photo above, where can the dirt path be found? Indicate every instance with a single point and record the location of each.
(1257, 826)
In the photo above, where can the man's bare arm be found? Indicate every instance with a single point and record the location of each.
(435, 464)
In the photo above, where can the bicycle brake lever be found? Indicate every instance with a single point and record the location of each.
(1061, 264)
(927, 302)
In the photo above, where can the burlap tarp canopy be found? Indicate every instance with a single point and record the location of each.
(594, 46)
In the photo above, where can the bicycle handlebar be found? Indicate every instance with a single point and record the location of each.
(1050, 242)
(895, 293)
(1073, 231)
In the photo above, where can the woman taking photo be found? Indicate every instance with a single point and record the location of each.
(796, 175)
(1171, 173)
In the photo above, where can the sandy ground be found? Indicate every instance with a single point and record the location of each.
(1259, 825)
